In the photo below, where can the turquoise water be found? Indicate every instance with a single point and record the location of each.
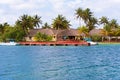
(100, 62)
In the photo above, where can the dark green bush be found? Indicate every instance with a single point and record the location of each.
(96, 38)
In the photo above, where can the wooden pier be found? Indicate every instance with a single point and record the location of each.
(57, 43)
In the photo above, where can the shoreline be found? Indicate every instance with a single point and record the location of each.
(108, 42)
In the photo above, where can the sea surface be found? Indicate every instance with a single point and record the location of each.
(101, 62)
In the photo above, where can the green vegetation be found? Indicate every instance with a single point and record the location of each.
(42, 37)
(83, 30)
(46, 26)
(60, 22)
(20, 29)
(110, 28)
(87, 20)
(10, 32)
(96, 38)
(87, 17)
(28, 22)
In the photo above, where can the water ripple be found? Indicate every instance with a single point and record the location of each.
(100, 62)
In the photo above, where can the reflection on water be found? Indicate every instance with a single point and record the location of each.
(60, 63)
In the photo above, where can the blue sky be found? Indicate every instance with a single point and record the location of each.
(11, 10)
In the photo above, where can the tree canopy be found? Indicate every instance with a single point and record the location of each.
(87, 16)
(60, 22)
(28, 22)
(46, 25)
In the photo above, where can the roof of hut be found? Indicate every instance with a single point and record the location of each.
(56, 32)
(47, 31)
(44, 31)
(66, 32)
(69, 32)
(82, 34)
(95, 32)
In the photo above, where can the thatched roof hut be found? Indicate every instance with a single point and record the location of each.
(69, 32)
(51, 32)
(46, 31)
(96, 32)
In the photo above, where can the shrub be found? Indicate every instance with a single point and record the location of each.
(96, 38)
(42, 37)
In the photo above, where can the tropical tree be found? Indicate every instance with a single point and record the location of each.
(109, 27)
(15, 33)
(117, 32)
(2, 27)
(60, 22)
(79, 14)
(42, 37)
(25, 22)
(37, 21)
(83, 30)
(104, 20)
(28, 22)
(19, 34)
(89, 19)
(87, 16)
(38, 36)
(113, 24)
(91, 24)
(46, 26)
(106, 30)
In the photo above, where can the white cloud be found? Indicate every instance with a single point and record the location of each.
(10, 10)
(1, 11)
(27, 4)
(24, 6)
(6, 1)
(11, 2)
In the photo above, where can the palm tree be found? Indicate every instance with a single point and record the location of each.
(83, 30)
(28, 22)
(103, 20)
(110, 27)
(3, 26)
(37, 21)
(117, 32)
(46, 26)
(79, 14)
(89, 19)
(60, 22)
(87, 14)
(106, 26)
(104, 32)
(113, 23)
(107, 31)
(24, 22)
(91, 23)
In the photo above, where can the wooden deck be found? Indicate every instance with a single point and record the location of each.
(57, 43)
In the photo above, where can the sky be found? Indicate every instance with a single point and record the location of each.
(11, 10)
